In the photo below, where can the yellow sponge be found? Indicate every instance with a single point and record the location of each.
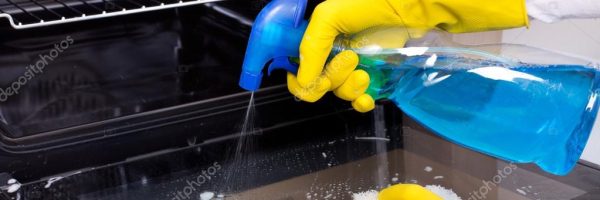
(407, 192)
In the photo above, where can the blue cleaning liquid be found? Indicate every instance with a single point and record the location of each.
(524, 113)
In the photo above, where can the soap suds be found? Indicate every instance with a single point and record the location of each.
(13, 188)
(428, 169)
(207, 195)
(14, 185)
(522, 192)
(368, 195)
(438, 177)
(446, 194)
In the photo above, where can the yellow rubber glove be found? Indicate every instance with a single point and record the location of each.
(407, 192)
(334, 17)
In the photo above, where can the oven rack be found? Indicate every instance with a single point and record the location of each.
(25, 14)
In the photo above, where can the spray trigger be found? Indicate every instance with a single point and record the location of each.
(283, 63)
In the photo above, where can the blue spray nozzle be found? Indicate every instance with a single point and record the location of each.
(276, 34)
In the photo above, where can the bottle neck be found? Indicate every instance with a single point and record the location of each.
(340, 44)
(377, 76)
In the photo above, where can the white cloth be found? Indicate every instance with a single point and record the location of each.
(555, 10)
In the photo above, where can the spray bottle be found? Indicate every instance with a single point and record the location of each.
(513, 102)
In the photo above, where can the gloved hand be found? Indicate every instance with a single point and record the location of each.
(334, 17)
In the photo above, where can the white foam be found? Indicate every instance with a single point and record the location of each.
(207, 195)
(14, 187)
(367, 195)
(428, 169)
(446, 194)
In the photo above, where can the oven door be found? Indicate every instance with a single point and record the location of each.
(147, 106)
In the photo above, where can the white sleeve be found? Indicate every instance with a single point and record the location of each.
(555, 10)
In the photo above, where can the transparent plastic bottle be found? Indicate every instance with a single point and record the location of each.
(514, 102)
